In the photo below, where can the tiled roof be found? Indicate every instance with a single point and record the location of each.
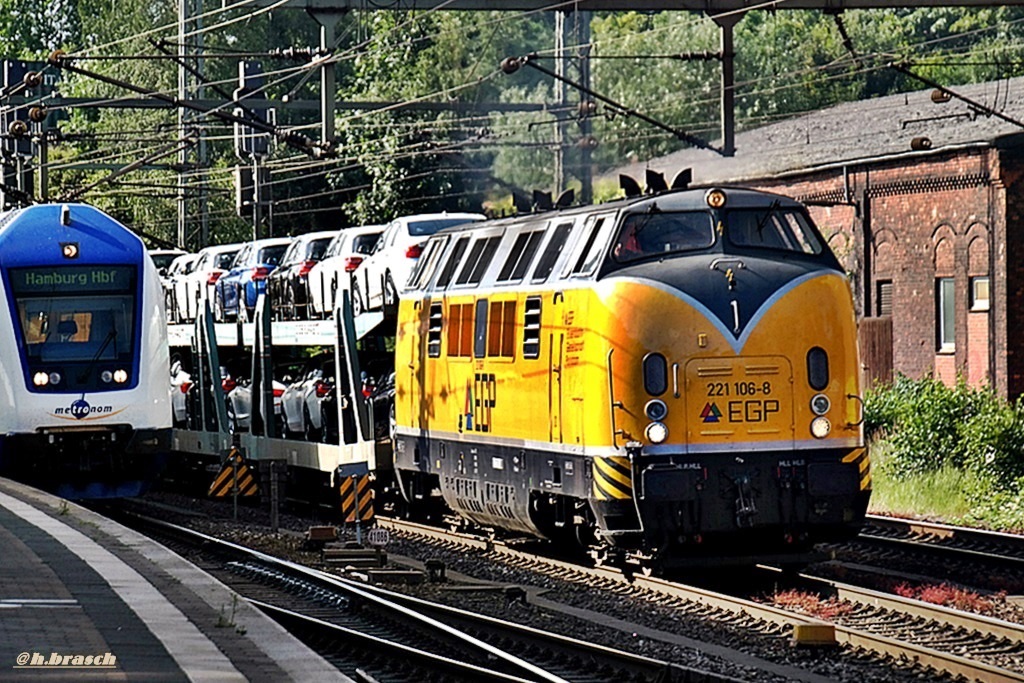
(850, 132)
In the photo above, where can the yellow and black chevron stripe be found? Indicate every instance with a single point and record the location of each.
(860, 457)
(613, 478)
(234, 470)
(356, 498)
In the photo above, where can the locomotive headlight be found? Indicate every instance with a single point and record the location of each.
(40, 379)
(656, 432)
(715, 199)
(120, 376)
(820, 427)
(656, 410)
(55, 378)
(820, 404)
(107, 376)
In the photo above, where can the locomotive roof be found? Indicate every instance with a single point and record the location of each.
(36, 234)
(692, 199)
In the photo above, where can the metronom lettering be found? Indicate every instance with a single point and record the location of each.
(92, 410)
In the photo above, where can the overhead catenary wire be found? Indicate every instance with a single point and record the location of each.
(779, 90)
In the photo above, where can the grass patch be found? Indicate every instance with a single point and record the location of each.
(931, 495)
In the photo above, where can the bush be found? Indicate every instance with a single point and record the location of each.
(928, 426)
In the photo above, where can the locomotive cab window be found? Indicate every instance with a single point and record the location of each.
(76, 316)
(781, 228)
(644, 235)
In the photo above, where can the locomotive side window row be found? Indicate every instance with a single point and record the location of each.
(468, 260)
(475, 330)
(552, 252)
(448, 271)
(479, 258)
(501, 333)
(521, 256)
(460, 330)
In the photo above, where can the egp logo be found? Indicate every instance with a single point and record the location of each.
(80, 408)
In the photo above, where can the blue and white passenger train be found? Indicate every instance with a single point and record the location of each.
(84, 407)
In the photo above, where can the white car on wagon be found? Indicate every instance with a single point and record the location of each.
(382, 276)
(211, 263)
(342, 258)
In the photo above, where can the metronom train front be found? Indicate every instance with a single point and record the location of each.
(670, 379)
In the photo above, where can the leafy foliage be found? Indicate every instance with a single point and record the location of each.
(927, 427)
(31, 29)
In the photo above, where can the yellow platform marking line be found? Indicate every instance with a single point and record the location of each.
(613, 478)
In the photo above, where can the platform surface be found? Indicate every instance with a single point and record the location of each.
(83, 598)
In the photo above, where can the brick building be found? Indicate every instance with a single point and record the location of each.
(932, 237)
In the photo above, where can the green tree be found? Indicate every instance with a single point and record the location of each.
(31, 29)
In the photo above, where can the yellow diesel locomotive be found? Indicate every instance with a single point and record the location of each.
(670, 379)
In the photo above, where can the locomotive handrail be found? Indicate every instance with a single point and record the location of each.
(612, 403)
(728, 259)
(859, 400)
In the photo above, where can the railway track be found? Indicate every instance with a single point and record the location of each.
(934, 638)
(990, 547)
(373, 634)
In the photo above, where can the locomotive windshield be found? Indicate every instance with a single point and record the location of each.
(654, 234)
(773, 227)
(75, 314)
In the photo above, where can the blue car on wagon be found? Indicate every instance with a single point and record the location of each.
(238, 289)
